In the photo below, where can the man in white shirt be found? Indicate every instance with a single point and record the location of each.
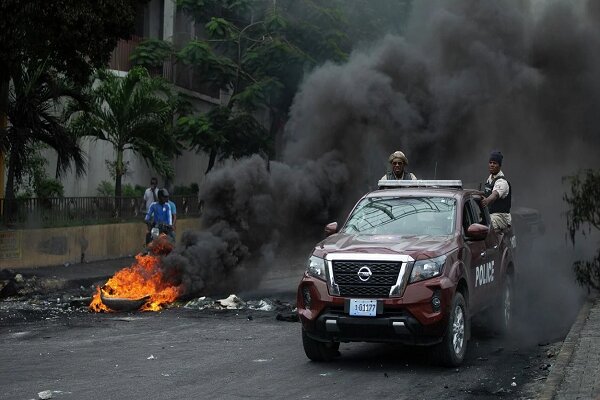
(151, 194)
(497, 193)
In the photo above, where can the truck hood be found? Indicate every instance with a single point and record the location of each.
(417, 247)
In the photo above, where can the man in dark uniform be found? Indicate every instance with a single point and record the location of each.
(497, 193)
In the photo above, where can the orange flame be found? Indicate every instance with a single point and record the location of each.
(143, 278)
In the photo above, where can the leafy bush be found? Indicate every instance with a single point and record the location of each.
(46, 188)
(151, 53)
(105, 189)
(131, 191)
(108, 189)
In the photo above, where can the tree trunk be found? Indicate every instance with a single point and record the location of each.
(276, 132)
(211, 160)
(118, 172)
(10, 205)
(118, 178)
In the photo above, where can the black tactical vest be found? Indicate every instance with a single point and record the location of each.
(500, 205)
(405, 177)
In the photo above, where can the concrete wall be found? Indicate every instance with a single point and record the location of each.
(55, 246)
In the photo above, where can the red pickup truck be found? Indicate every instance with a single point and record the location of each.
(412, 264)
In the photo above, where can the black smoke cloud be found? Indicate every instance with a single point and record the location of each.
(249, 207)
(467, 77)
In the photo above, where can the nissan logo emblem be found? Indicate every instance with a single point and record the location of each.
(364, 273)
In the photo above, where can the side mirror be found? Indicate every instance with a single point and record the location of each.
(331, 228)
(477, 231)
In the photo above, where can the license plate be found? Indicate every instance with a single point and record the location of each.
(363, 308)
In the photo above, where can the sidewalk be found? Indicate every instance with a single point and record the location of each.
(576, 372)
(79, 273)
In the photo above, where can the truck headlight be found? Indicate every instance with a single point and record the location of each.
(425, 269)
(316, 267)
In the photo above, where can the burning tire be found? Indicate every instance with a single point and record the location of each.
(319, 351)
(454, 344)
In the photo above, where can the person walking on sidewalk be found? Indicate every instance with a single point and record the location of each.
(151, 193)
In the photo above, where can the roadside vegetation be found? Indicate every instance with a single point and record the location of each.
(583, 217)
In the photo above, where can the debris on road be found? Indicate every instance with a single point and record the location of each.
(233, 302)
(46, 394)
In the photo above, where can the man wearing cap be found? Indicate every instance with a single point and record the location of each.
(398, 161)
(497, 193)
(159, 214)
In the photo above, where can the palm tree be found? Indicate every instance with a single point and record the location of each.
(133, 113)
(34, 99)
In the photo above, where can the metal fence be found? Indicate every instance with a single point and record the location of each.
(73, 211)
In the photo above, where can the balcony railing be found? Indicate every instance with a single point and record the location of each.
(183, 76)
(72, 211)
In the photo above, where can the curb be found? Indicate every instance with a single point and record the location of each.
(557, 374)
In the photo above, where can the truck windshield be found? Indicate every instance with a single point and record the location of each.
(403, 216)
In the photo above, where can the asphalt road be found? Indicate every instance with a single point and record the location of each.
(47, 344)
(182, 353)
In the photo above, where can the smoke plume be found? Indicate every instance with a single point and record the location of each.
(467, 77)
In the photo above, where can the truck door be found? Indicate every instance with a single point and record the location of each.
(490, 271)
(475, 258)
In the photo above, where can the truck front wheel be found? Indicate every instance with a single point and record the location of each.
(454, 344)
(319, 351)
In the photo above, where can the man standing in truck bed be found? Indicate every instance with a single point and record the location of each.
(497, 193)
(398, 161)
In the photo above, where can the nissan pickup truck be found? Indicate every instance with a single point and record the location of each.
(412, 264)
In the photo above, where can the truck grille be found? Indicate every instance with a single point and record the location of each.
(384, 276)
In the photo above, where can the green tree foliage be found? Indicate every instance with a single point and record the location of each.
(258, 51)
(133, 113)
(151, 53)
(71, 37)
(34, 95)
(584, 217)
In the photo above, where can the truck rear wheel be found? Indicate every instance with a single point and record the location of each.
(454, 344)
(319, 351)
(504, 310)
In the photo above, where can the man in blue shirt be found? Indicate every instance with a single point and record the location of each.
(160, 215)
(173, 214)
